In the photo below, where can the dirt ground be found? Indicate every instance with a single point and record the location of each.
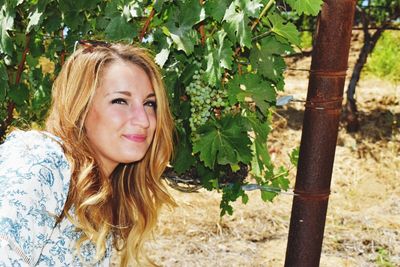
(363, 221)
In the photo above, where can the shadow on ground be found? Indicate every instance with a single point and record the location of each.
(375, 125)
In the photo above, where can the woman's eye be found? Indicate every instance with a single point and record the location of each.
(151, 103)
(120, 101)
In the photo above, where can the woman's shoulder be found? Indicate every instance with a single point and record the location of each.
(34, 161)
(29, 145)
(34, 185)
(37, 139)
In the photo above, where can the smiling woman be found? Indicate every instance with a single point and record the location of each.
(91, 181)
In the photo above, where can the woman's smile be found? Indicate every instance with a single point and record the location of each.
(139, 138)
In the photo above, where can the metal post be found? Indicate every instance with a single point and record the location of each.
(319, 136)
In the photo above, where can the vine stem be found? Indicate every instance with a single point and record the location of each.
(263, 12)
(146, 25)
(201, 29)
(11, 105)
(258, 37)
(22, 63)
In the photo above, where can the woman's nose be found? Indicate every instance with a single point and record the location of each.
(139, 116)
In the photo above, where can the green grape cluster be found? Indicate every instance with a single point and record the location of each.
(204, 99)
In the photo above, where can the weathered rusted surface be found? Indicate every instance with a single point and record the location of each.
(319, 136)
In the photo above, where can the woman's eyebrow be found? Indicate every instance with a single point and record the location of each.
(127, 93)
(151, 95)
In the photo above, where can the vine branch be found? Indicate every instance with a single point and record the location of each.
(146, 25)
(201, 29)
(22, 63)
(263, 12)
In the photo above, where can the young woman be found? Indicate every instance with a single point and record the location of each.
(91, 181)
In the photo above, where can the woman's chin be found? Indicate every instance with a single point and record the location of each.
(131, 159)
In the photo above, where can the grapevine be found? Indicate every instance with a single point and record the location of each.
(222, 63)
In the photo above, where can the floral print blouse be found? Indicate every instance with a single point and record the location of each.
(34, 183)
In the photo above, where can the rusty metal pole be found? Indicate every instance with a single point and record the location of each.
(320, 130)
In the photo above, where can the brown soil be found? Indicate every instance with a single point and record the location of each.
(363, 220)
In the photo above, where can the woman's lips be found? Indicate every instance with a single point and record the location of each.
(135, 137)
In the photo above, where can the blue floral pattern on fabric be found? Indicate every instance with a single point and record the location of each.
(34, 184)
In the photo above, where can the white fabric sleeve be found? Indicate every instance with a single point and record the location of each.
(34, 183)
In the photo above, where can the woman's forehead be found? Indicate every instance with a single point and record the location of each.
(126, 77)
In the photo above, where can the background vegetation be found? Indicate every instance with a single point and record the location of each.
(384, 61)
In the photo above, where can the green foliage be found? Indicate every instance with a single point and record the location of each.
(306, 40)
(378, 12)
(294, 156)
(223, 141)
(223, 57)
(383, 258)
(384, 60)
(308, 7)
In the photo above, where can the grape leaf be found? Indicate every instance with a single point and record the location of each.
(14, 3)
(219, 56)
(252, 85)
(207, 176)
(52, 21)
(294, 156)
(280, 178)
(184, 37)
(3, 81)
(230, 193)
(260, 159)
(216, 8)
(35, 19)
(308, 7)
(190, 12)
(158, 5)
(6, 24)
(265, 58)
(250, 8)
(224, 142)
(267, 196)
(111, 10)
(183, 153)
(237, 25)
(261, 156)
(32, 61)
(120, 29)
(73, 20)
(162, 57)
(19, 94)
(36, 47)
(287, 30)
(261, 128)
(132, 10)
(88, 4)
(180, 27)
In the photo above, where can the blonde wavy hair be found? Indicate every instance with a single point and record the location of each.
(126, 205)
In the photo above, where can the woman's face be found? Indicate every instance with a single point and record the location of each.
(121, 119)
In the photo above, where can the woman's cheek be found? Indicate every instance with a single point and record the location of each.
(118, 115)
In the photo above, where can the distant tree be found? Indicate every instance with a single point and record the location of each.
(375, 16)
